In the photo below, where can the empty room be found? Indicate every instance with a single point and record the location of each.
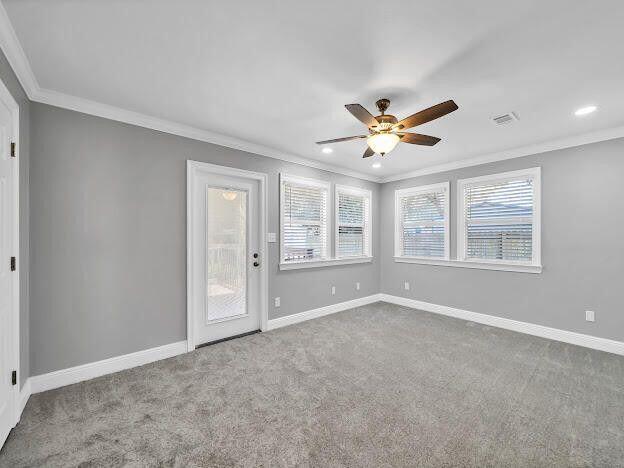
(320, 234)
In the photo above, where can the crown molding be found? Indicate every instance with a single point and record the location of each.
(15, 55)
(99, 109)
(538, 148)
(10, 45)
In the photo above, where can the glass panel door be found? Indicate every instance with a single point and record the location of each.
(226, 254)
(225, 258)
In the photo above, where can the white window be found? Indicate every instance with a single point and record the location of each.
(303, 219)
(353, 224)
(499, 218)
(422, 222)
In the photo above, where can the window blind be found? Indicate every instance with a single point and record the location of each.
(304, 217)
(353, 219)
(499, 220)
(422, 229)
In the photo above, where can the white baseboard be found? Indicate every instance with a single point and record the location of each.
(322, 311)
(588, 341)
(60, 378)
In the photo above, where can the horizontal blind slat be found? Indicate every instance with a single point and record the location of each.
(352, 219)
(508, 201)
(422, 224)
(305, 222)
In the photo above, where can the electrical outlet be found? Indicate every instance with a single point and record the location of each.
(357, 286)
(590, 316)
(406, 286)
(333, 290)
(278, 302)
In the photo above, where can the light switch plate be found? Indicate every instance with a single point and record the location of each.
(271, 237)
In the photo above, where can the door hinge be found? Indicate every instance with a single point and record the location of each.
(13, 149)
(13, 264)
(14, 377)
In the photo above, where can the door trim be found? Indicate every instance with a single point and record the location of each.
(193, 169)
(7, 98)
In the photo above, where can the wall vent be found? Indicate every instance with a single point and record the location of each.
(505, 119)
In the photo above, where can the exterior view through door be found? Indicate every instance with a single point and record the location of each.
(225, 253)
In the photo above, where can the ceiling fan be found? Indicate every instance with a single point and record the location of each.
(385, 131)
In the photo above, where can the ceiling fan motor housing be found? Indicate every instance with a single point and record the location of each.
(382, 104)
(386, 121)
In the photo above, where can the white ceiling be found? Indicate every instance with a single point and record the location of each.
(278, 73)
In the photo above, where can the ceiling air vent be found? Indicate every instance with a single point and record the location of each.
(505, 118)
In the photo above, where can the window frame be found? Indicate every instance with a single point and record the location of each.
(406, 192)
(367, 227)
(305, 181)
(535, 264)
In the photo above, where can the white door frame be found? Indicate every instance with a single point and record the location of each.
(7, 98)
(193, 169)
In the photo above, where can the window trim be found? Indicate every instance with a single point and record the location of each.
(471, 264)
(535, 265)
(368, 196)
(324, 263)
(400, 193)
(285, 178)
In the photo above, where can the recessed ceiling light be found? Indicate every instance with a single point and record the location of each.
(376, 165)
(327, 150)
(585, 110)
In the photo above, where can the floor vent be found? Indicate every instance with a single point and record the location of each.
(505, 118)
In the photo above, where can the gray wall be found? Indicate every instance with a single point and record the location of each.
(582, 249)
(108, 238)
(10, 81)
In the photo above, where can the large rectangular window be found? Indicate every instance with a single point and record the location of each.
(353, 225)
(422, 222)
(498, 218)
(303, 214)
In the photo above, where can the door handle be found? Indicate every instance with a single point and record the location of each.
(256, 264)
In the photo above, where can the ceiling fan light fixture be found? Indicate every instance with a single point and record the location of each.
(383, 143)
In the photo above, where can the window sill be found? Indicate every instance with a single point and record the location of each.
(519, 268)
(324, 263)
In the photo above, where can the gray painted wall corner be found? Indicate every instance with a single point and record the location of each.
(108, 236)
(582, 252)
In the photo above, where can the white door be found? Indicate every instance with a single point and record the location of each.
(225, 256)
(7, 228)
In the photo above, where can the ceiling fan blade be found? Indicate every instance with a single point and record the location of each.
(427, 115)
(362, 115)
(368, 153)
(418, 139)
(338, 140)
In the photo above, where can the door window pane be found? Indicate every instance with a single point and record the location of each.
(226, 253)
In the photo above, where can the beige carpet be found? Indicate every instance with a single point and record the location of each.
(379, 385)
